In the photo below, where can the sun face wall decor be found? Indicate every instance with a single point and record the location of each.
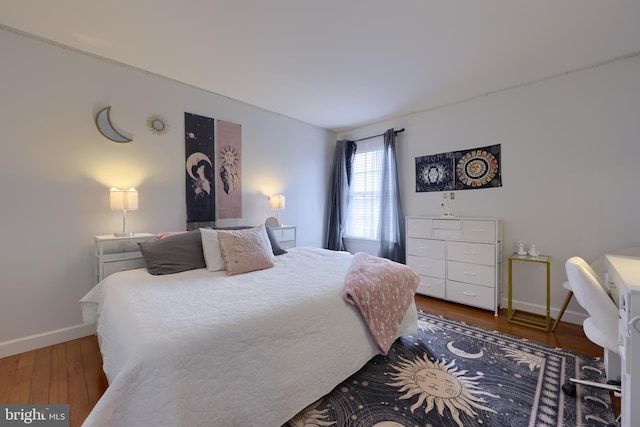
(459, 170)
(158, 125)
(229, 168)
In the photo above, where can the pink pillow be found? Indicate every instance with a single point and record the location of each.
(169, 234)
(245, 250)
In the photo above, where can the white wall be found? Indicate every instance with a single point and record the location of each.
(570, 150)
(55, 170)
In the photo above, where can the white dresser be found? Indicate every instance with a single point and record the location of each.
(622, 275)
(457, 259)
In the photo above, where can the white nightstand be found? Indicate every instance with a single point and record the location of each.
(286, 235)
(119, 253)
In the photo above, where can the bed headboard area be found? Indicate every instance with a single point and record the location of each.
(238, 249)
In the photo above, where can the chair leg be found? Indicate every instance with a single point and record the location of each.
(561, 312)
(611, 387)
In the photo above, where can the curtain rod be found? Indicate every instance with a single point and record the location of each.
(375, 136)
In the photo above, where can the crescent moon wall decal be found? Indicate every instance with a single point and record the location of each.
(193, 160)
(106, 128)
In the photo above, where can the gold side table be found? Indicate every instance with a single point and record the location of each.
(515, 316)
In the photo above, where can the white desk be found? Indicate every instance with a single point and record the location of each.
(622, 275)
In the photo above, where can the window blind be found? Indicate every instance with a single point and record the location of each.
(366, 174)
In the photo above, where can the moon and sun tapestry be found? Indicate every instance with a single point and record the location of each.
(459, 170)
(212, 185)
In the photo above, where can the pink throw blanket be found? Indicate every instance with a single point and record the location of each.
(382, 290)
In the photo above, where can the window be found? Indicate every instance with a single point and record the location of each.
(364, 206)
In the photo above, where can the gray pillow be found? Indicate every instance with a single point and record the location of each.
(275, 245)
(174, 254)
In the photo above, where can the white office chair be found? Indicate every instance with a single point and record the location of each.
(598, 267)
(602, 325)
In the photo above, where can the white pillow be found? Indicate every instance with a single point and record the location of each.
(211, 249)
(267, 241)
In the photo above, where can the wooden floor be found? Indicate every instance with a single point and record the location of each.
(71, 372)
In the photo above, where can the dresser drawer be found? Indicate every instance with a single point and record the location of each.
(427, 266)
(476, 253)
(111, 267)
(465, 293)
(284, 234)
(479, 231)
(419, 227)
(287, 244)
(439, 233)
(446, 224)
(432, 287)
(426, 248)
(483, 275)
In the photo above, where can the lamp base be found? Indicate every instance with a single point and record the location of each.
(123, 234)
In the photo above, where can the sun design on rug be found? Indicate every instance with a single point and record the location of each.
(311, 417)
(527, 358)
(428, 325)
(441, 385)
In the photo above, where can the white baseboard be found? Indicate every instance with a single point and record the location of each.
(34, 342)
(569, 316)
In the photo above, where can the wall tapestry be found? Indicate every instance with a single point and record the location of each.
(435, 172)
(199, 154)
(229, 167)
(459, 170)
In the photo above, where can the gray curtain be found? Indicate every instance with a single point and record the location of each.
(339, 195)
(391, 224)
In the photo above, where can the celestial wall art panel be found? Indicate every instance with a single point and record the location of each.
(434, 173)
(478, 168)
(229, 170)
(199, 165)
(459, 170)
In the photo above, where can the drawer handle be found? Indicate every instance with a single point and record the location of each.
(426, 285)
(469, 252)
(425, 247)
(470, 273)
(469, 294)
(425, 266)
(128, 268)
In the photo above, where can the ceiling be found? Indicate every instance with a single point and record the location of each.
(340, 64)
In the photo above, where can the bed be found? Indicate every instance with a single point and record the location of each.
(204, 348)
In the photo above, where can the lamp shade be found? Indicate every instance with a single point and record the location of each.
(123, 199)
(276, 202)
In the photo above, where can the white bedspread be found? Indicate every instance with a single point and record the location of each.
(205, 349)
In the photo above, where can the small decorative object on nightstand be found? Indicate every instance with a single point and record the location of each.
(286, 235)
(521, 250)
(119, 253)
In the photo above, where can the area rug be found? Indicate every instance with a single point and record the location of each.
(454, 374)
